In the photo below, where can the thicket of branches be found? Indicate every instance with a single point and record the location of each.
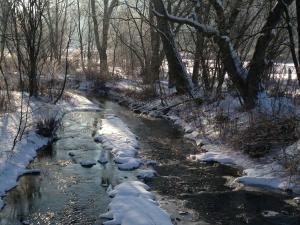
(208, 44)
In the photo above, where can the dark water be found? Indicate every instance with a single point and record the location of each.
(66, 193)
(202, 186)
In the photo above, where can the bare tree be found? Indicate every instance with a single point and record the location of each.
(247, 82)
(28, 27)
(108, 7)
(176, 68)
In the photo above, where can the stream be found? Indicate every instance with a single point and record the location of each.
(193, 193)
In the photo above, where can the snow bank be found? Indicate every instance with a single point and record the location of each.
(13, 163)
(199, 125)
(116, 137)
(15, 166)
(133, 204)
(265, 172)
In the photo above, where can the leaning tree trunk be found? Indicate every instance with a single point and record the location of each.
(176, 68)
(258, 65)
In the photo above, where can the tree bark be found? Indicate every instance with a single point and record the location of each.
(155, 46)
(177, 71)
(298, 25)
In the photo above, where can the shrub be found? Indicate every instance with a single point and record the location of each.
(47, 127)
(266, 133)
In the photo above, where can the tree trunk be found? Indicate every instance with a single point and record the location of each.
(258, 65)
(177, 71)
(197, 55)
(96, 26)
(298, 26)
(80, 38)
(155, 45)
(103, 52)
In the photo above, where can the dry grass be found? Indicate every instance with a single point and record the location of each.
(6, 104)
(147, 93)
(47, 127)
(265, 132)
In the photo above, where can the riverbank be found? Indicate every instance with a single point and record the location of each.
(14, 160)
(105, 137)
(197, 120)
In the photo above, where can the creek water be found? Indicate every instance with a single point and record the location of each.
(67, 193)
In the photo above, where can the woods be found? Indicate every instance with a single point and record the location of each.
(226, 74)
(144, 34)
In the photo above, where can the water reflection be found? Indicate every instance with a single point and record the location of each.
(20, 201)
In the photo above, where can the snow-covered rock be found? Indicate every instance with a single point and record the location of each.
(134, 205)
(87, 163)
(148, 173)
(214, 157)
(297, 200)
(72, 154)
(127, 163)
(102, 159)
(269, 213)
(116, 137)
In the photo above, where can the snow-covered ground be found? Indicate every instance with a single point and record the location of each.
(13, 162)
(267, 172)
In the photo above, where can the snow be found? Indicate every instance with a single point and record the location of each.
(269, 213)
(214, 157)
(264, 172)
(146, 173)
(13, 163)
(86, 85)
(15, 166)
(271, 182)
(116, 137)
(275, 106)
(102, 159)
(267, 172)
(127, 163)
(133, 204)
(88, 163)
